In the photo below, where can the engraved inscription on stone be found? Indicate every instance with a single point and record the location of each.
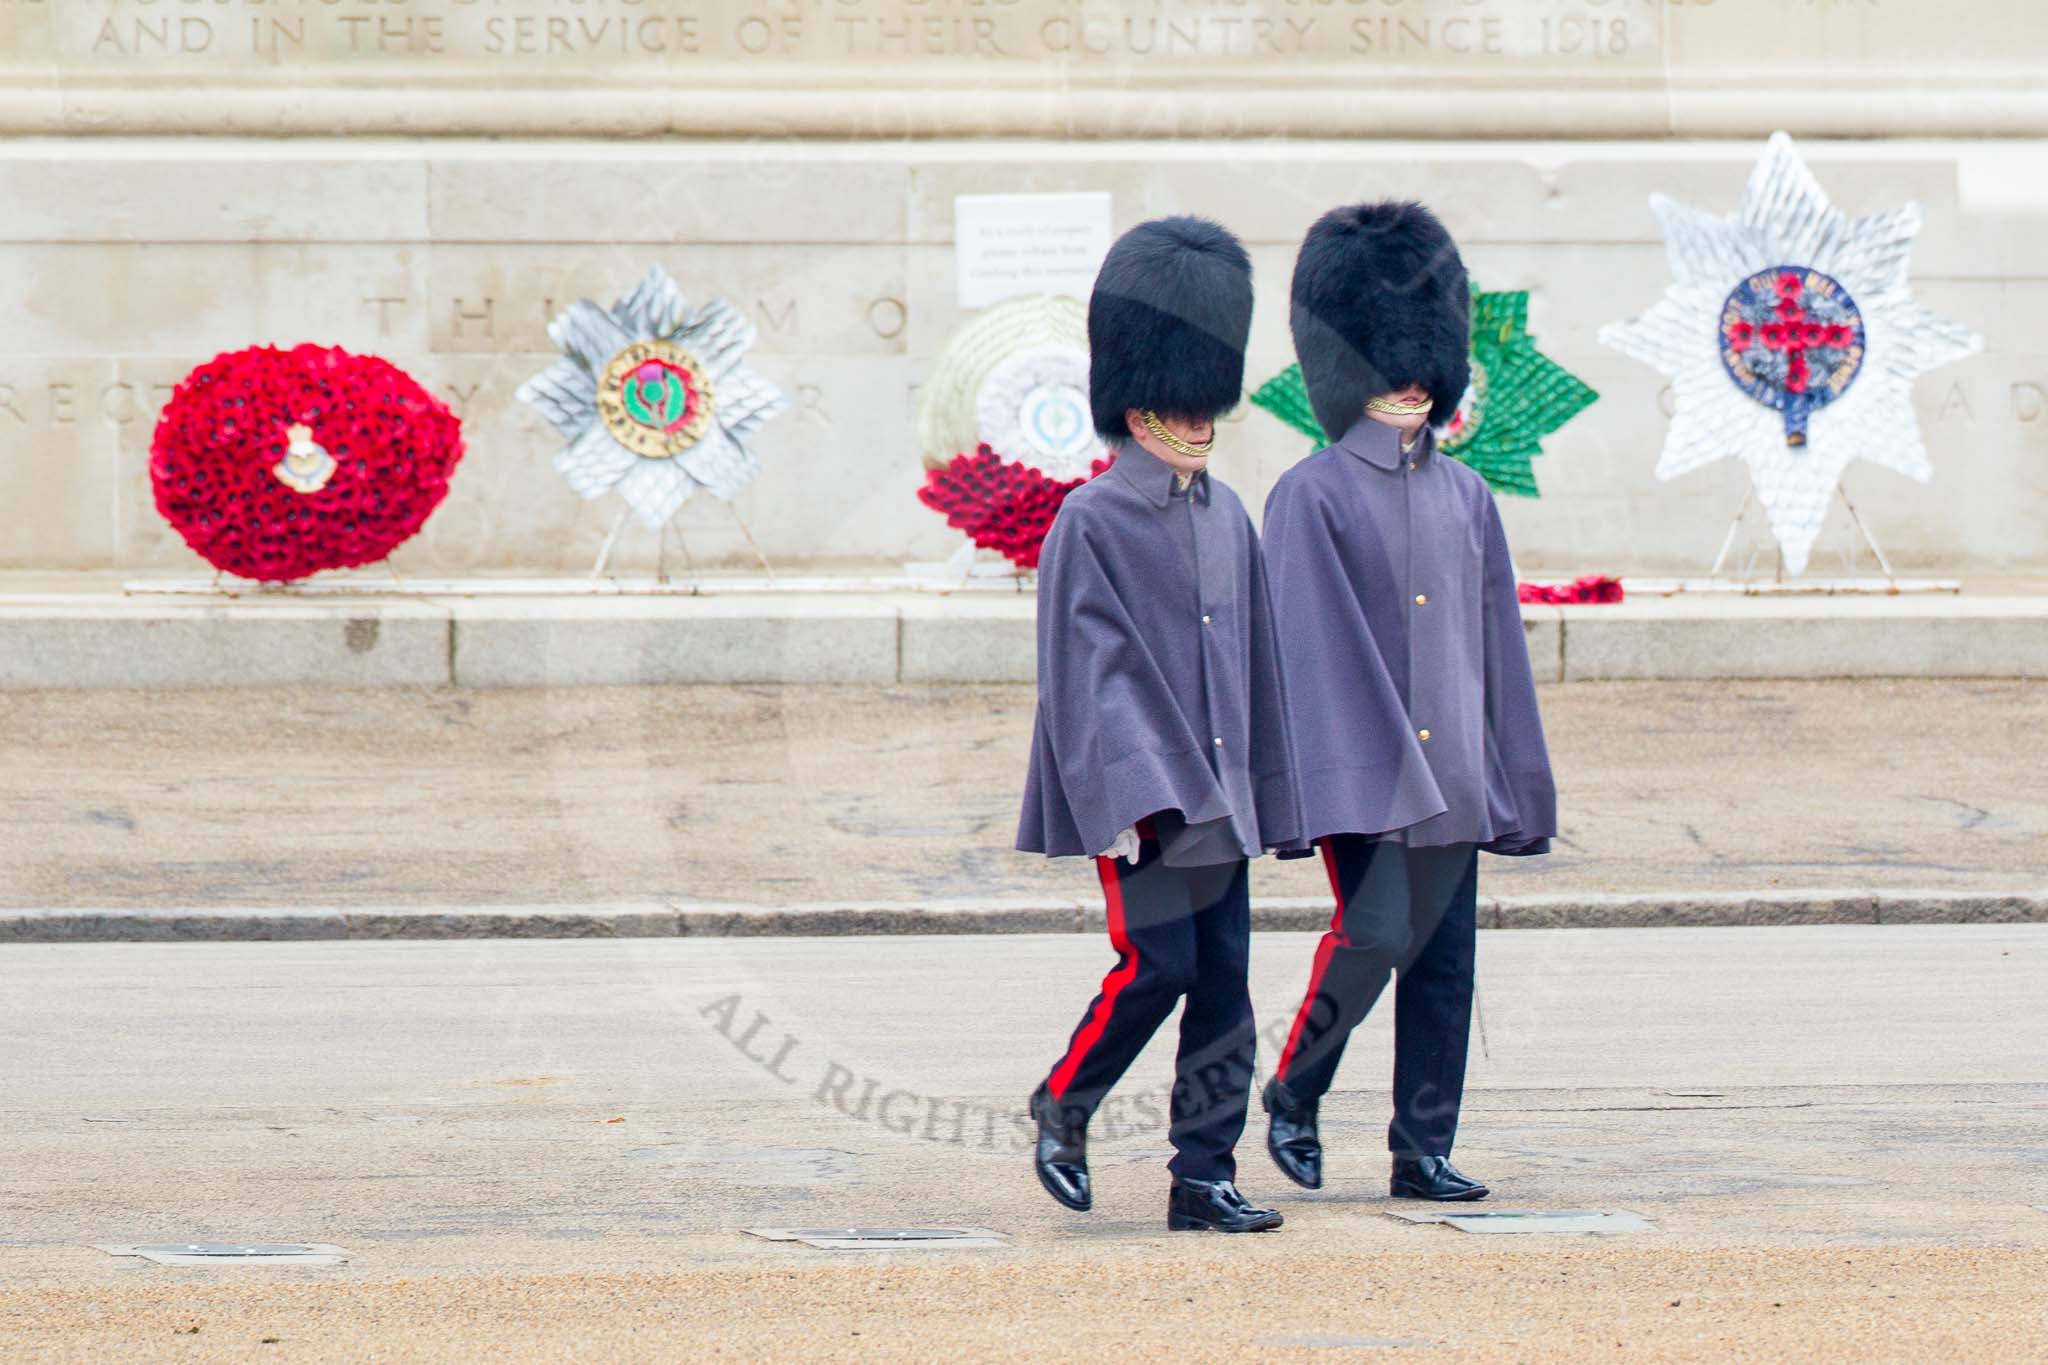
(892, 68)
(532, 35)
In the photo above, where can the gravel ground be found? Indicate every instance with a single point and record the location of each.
(1185, 1299)
(548, 1150)
(785, 794)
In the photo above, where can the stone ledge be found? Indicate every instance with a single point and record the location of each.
(1806, 637)
(120, 643)
(1051, 916)
(545, 642)
(941, 646)
(498, 639)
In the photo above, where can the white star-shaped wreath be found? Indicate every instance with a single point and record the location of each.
(1794, 400)
(656, 401)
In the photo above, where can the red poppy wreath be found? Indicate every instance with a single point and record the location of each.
(276, 464)
(1001, 505)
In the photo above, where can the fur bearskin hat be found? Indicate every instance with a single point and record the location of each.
(1380, 301)
(1167, 323)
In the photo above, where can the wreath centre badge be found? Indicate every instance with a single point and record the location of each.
(306, 466)
(1792, 339)
(655, 399)
(1035, 402)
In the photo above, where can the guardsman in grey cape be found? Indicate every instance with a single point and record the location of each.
(1161, 748)
(1409, 688)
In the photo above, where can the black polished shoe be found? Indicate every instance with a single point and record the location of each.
(1432, 1177)
(1061, 1156)
(1214, 1206)
(1291, 1137)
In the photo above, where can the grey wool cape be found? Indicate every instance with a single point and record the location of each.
(1410, 692)
(1159, 690)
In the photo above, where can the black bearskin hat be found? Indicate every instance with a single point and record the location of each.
(1380, 301)
(1167, 323)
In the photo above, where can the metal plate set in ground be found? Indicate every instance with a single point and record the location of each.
(1552, 1221)
(884, 1239)
(241, 1253)
(1334, 1342)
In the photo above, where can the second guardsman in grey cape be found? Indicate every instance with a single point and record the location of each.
(1161, 748)
(1408, 681)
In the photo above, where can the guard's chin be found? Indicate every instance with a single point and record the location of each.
(1405, 423)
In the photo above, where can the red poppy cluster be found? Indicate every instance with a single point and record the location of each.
(1791, 336)
(221, 436)
(1001, 505)
(1594, 587)
(1793, 332)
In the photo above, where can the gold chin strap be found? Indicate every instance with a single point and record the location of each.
(1393, 408)
(1175, 443)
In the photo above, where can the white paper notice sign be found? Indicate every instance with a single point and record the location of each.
(1010, 244)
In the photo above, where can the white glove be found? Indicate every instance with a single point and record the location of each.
(1125, 847)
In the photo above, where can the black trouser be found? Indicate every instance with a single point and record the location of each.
(1405, 910)
(1178, 931)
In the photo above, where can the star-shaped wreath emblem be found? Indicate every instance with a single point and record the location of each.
(655, 400)
(1518, 396)
(1792, 341)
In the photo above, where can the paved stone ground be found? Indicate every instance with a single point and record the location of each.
(545, 1150)
(784, 794)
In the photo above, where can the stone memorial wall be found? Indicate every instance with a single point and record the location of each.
(894, 68)
(432, 180)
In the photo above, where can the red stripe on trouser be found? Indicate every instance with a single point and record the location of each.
(1324, 951)
(1120, 976)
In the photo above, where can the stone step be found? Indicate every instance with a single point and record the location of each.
(507, 638)
(1676, 909)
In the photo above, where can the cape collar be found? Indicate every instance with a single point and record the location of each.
(1153, 476)
(1379, 445)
